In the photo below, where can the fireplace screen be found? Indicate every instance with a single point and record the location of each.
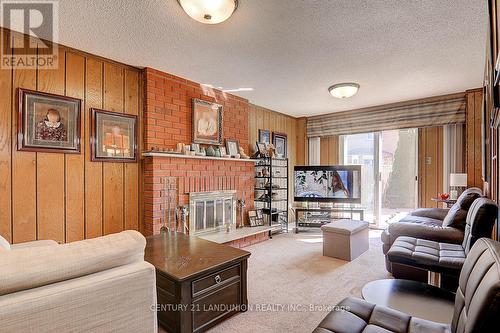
(211, 211)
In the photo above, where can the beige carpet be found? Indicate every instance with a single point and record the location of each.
(288, 274)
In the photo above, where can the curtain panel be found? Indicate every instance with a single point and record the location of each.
(427, 112)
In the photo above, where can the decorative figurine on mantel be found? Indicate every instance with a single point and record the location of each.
(271, 150)
(243, 154)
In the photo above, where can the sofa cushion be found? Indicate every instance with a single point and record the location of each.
(38, 266)
(458, 212)
(437, 257)
(4, 245)
(354, 315)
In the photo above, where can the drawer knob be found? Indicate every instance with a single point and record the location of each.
(218, 279)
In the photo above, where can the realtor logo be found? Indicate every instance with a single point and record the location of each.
(36, 19)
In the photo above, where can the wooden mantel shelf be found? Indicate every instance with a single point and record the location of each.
(162, 154)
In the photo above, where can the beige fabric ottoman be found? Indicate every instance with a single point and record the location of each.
(345, 239)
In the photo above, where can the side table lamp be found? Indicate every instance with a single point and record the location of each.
(458, 181)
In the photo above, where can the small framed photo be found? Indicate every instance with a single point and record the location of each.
(232, 147)
(207, 122)
(255, 217)
(265, 136)
(195, 147)
(113, 136)
(280, 144)
(48, 123)
(261, 149)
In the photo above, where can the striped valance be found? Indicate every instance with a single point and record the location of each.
(434, 111)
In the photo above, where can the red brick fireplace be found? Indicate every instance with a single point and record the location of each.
(168, 121)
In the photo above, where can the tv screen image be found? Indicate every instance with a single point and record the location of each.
(328, 183)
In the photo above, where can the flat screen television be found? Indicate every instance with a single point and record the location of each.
(334, 183)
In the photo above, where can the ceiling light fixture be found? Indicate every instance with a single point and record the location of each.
(344, 90)
(209, 11)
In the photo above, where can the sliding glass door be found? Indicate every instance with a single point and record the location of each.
(389, 169)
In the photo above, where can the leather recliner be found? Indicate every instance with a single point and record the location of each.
(445, 258)
(436, 224)
(477, 303)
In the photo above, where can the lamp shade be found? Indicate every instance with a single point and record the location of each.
(458, 179)
(209, 11)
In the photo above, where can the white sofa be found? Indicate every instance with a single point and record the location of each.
(96, 285)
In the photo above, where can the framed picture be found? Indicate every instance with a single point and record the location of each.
(280, 144)
(261, 149)
(255, 217)
(232, 147)
(113, 136)
(48, 122)
(207, 122)
(265, 136)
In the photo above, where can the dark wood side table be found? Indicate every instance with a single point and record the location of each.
(199, 283)
(412, 297)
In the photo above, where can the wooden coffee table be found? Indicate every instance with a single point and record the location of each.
(412, 297)
(199, 283)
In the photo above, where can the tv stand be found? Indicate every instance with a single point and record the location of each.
(315, 217)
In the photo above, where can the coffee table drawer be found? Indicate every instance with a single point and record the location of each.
(224, 301)
(215, 280)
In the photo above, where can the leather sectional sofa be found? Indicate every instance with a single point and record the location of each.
(435, 224)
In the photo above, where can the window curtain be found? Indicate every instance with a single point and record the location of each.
(428, 112)
(454, 152)
(314, 151)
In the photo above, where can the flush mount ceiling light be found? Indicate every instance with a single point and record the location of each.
(209, 11)
(344, 90)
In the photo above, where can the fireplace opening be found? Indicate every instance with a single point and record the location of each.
(211, 211)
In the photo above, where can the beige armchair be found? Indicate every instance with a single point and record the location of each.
(95, 285)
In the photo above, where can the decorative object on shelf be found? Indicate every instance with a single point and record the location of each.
(265, 136)
(280, 143)
(210, 151)
(223, 152)
(271, 150)
(265, 172)
(232, 147)
(217, 152)
(261, 149)
(202, 152)
(195, 147)
(186, 149)
(241, 204)
(48, 123)
(113, 136)
(458, 181)
(181, 218)
(243, 154)
(207, 122)
(255, 217)
(180, 148)
(209, 11)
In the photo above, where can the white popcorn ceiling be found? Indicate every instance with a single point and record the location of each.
(291, 51)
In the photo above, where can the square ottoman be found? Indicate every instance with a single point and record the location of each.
(345, 239)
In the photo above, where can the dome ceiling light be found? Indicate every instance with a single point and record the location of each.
(209, 11)
(344, 90)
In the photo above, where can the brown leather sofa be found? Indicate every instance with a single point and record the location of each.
(436, 224)
(477, 303)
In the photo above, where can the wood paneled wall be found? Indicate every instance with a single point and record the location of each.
(329, 150)
(430, 165)
(262, 118)
(66, 197)
(473, 143)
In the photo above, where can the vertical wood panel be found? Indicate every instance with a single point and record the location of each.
(132, 92)
(113, 175)
(75, 164)
(5, 149)
(93, 170)
(430, 176)
(23, 169)
(50, 167)
(478, 143)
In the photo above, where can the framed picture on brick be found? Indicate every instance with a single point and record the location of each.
(207, 122)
